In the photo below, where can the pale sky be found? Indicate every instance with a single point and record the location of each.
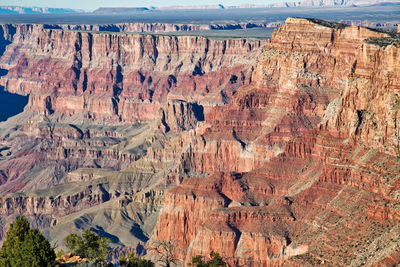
(93, 4)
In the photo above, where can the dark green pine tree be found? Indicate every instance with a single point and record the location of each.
(25, 247)
(88, 245)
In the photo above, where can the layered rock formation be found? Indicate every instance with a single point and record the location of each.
(134, 27)
(122, 76)
(272, 153)
(162, 27)
(306, 154)
(113, 97)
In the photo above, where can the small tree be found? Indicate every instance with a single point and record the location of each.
(25, 247)
(89, 245)
(133, 261)
(165, 252)
(75, 244)
(215, 261)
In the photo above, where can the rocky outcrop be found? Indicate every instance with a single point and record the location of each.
(69, 258)
(57, 206)
(179, 116)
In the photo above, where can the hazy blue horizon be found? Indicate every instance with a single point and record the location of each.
(94, 4)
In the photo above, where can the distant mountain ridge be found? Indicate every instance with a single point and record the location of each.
(216, 6)
(305, 3)
(114, 10)
(119, 10)
(35, 10)
(322, 3)
(122, 10)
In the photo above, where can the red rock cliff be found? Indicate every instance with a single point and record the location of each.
(161, 27)
(301, 166)
(122, 76)
(283, 155)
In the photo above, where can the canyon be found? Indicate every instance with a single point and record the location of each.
(275, 152)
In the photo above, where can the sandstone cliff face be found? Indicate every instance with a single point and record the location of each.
(161, 27)
(134, 27)
(122, 76)
(368, 111)
(79, 79)
(278, 153)
(305, 169)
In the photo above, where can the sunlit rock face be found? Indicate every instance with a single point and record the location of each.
(299, 159)
(123, 76)
(271, 153)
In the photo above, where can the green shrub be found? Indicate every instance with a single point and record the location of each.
(133, 261)
(215, 261)
(384, 41)
(88, 245)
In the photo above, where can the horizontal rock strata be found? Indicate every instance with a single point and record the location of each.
(271, 153)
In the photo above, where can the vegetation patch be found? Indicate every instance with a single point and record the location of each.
(385, 41)
(391, 33)
(329, 24)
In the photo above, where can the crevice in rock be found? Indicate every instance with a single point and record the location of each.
(197, 71)
(360, 119)
(164, 122)
(48, 105)
(227, 200)
(76, 68)
(243, 144)
(142, 77)
(85, 81)
(238, 234)
(78, 130)
(233, 79)
(90, 46)
(117, 88)
(171, 80)
(198, 111)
